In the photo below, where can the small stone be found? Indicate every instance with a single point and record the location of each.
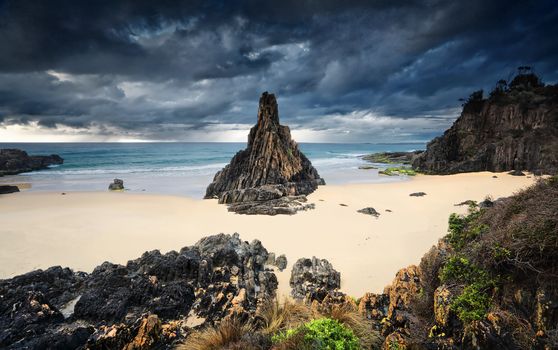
(417, 194)
(281, 262)
(369, 211)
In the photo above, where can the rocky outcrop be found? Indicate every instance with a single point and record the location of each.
(149, 302)
(516, 127)
(15, 161)
(392, 157)
(5, 189)
(271, 174)
(313, 279)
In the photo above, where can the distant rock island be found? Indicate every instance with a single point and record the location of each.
(515, 128)
(271, 176)
(15, 161)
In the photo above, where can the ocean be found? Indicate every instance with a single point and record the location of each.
(179, 168)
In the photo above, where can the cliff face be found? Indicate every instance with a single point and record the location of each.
(15, 161)
(270, 167)
(515, 128)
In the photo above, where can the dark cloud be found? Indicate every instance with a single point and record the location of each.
(162, 69)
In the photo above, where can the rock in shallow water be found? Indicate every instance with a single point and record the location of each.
(15, 161)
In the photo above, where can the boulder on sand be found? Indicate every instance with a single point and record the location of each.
(116, 185)
(5, 189)
(313, 276)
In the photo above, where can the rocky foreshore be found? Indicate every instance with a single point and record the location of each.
(271, 176)
(488, 284)
(15, 161)
(392, 157)
(151, 301)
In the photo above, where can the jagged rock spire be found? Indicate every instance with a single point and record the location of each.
(271, 158)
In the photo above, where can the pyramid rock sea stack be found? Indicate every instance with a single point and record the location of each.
(516, 127)
(271, 176)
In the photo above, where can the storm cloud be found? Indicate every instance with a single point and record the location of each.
(348, 71)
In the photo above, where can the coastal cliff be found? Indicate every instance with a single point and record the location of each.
(15, 161)
(515, 128)
(271, 176)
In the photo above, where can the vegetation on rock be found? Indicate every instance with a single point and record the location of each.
(323, 333)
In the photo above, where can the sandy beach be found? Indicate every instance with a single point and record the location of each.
(83, 229)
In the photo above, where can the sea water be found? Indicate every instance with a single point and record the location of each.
(179, 168)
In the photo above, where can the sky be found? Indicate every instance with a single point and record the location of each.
(343, 71)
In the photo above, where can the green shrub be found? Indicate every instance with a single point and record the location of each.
(322, 334)
(473, 303)
(500, 253)
(462, 229)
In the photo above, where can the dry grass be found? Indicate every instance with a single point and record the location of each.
(523, 232)
(278, 316)
(224, 336)
(363, 328)
(274, 317)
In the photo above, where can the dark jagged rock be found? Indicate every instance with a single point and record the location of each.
(271, 174)
(116, 185)
(146, 303)
(417, 194)
(369, 211)
(5, 189)
(312, 279)
(15, 161)
(281, 262)
(287, 205)
(516, 128)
